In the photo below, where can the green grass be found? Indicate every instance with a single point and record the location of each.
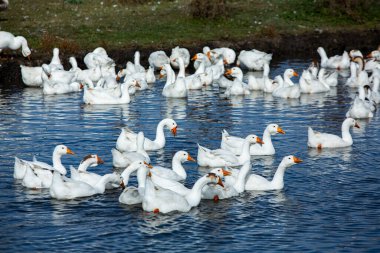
(88, 23)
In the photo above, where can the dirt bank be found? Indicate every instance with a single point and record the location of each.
(301, 45)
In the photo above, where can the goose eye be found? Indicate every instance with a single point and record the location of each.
(289, 158)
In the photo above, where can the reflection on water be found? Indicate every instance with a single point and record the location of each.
(322, 202)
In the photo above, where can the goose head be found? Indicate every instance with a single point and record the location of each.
(93, 160)
(274, 129)
(290, 160)
(221, 172)
(183, 156)
(352, 122)
(62, 150)
(290, 73)
(172, 125)
(253, 139)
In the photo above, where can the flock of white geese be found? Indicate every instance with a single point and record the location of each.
(162, 189)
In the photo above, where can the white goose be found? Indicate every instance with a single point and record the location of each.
(132, 195)
(286, 88)
(324, 140)
(123, 159)
(59, 150)
(174, 87)
(127, 138)
(335, 62)
(258, 183)
(165, 201)
(9, 41)
(158, 59)
(310, 84)
(97, 57)
(39, 174)
(81, 174)
(361, 108)
(99, 97)
(253, 59)
(260, 83)
(177, 172)
(32, 76)
(222, 157)
(71, 189)
(235, 144)
(238, 87)
(178, 52)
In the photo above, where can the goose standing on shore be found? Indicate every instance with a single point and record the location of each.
(9, 41)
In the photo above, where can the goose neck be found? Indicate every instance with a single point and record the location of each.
(57, 164)
(160, 136)
(243, 172)
(84, 165)
(278, 178)
(178, 168)
(194, 196)
(346, 135)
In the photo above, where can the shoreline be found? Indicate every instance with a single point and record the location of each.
(282, 46)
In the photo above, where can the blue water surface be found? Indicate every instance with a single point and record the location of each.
(330, 202)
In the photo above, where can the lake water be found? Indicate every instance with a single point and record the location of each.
(330, 202)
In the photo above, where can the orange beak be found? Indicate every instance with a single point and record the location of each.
(137, 85)
(258, 140)
(148, 165)
(226, 173)
(295, 73)
(189, 158)
(161, 76)
(49, 76)
(150, 174)
(356, 125)
(279, 130)
(174, 131)
(296, 159)
(117, 78)
(369, 55)
(69, 151)
(81, 86)
(99, 160)
(225, 62)
(195, 57)
(228, 72)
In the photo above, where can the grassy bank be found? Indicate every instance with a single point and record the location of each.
(158, 24)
